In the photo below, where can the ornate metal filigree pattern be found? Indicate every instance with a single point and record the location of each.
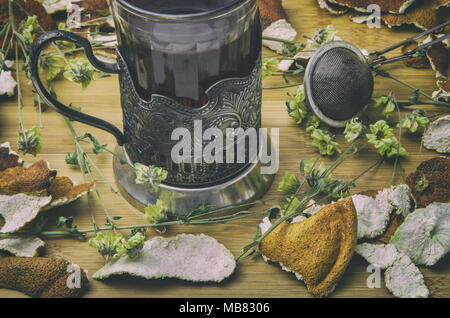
(148, 125)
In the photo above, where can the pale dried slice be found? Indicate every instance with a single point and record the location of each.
(25, 246)
(43, 277)
(8, 158)
(32, 180)
(20, 209)
(425, 234)
(197, 258)
(106, 40)
(373, 215)
(279, 29)
(54, 6)
(380, 255)
(107, 55)
(394, 6)
(332, 7)
(437, 135)
(317, 249)
(63, 191)
(7, 83)
(404, 279)
(399, 197)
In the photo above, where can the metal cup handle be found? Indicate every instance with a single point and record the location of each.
(56, 35)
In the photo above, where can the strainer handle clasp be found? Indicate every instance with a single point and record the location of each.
(377, 59)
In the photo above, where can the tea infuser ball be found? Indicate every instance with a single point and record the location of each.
(338, 79)
(338, 82)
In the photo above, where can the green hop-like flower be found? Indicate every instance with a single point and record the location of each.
(107, 244)
(388, 103)
(293, 207)
(29, 29)
(52, 65)
(313, 122)
(324, 141)
(30, 141)
(296, 106)
(132, 246)
(414, 120)
(79, 70)
(322, 36)
(151, 176)
(354, 129)
(156, 213)
(269, 67)
(289, 183)
(384, 140)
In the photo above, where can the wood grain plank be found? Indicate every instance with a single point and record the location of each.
(253, 277)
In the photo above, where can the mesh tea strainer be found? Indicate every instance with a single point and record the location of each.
(338, 79)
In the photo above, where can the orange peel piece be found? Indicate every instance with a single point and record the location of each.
(32, 180)
(45, 277)
(64, 191)
(393, 6)
(317, 249)
(8, 158)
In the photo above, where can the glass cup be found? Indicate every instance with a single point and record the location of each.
(179, 62)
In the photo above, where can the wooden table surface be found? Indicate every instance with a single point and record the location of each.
(253, 277)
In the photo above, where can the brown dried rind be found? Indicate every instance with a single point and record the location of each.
(415, 62)
(8, 158)
(436, 172)
(318, 248)
(421, 14)
(63, 191)
(40, 277)
(32, 180)
(271, 11)
(393, 6)
(440, 4)
(333, 8)
(395, 221)
(439, 57)
(100, 6)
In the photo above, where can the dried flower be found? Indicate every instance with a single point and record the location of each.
(296, 106)
(107, 244)
(79, 70)
(269, 66)
(29, 141)
(324, 141)
(293, 207)
(52, 65)
(354, 129)
(384, 140)
(322, 36)
(414, 120)
(156, 213)
(132, 246)
(289, 183)
(151, 176)
(388, 103)
(29, 29)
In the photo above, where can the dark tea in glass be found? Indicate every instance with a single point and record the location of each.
(180, 48)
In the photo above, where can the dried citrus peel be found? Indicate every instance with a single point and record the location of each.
(20, 210)
(26, 246)
(317, 249)
(197, 258)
